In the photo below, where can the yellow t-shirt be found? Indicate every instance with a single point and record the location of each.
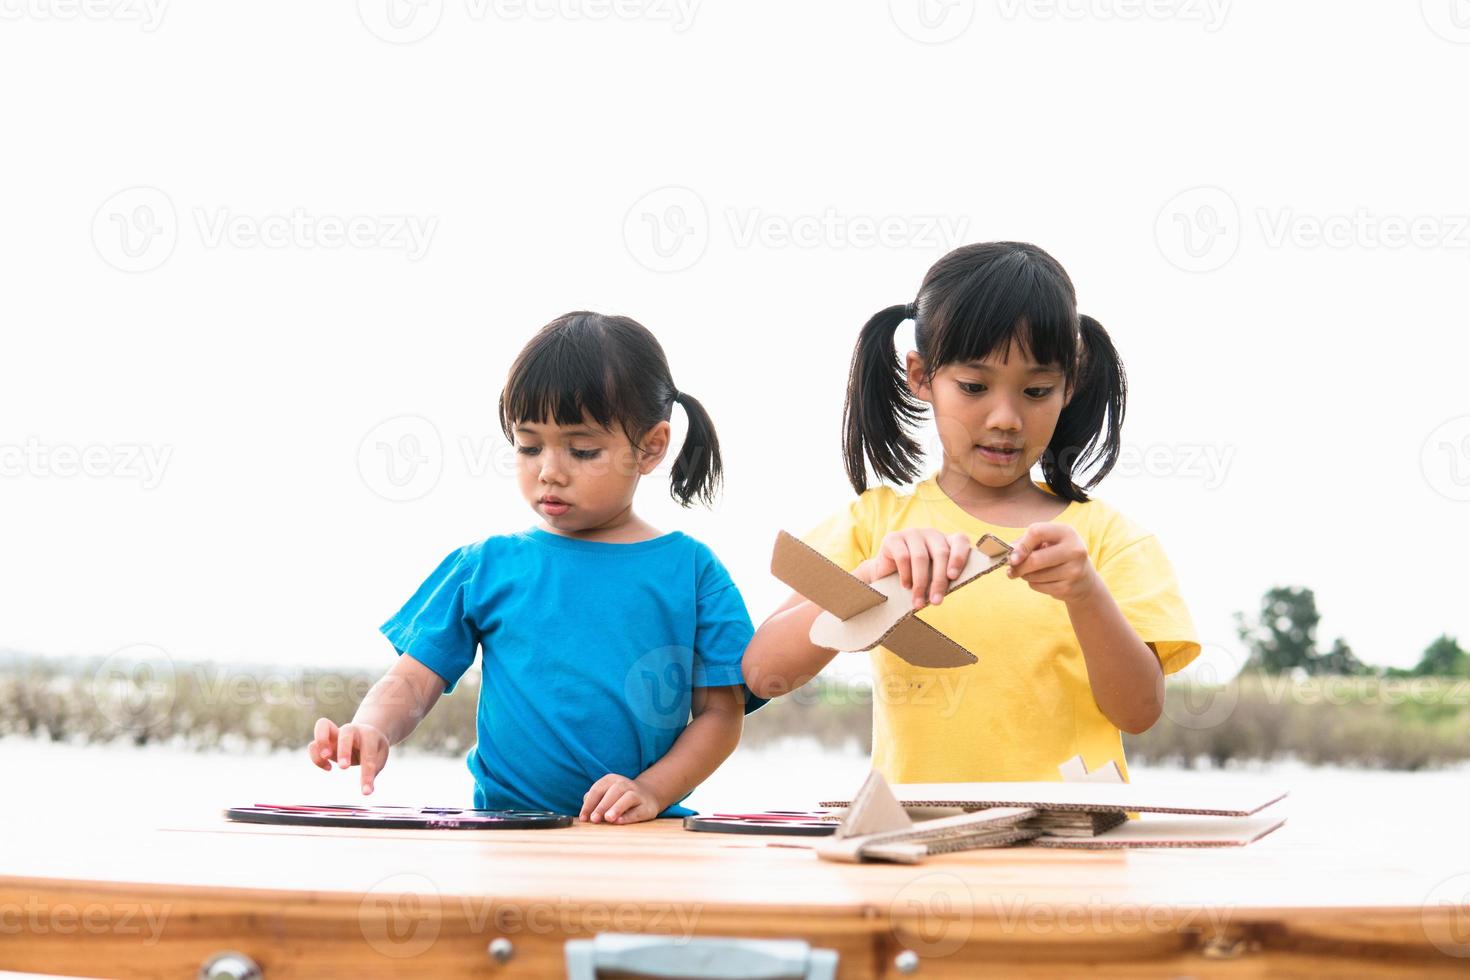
(1026, 706)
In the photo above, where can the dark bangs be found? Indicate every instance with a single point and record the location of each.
(973, 305)
(578, 367)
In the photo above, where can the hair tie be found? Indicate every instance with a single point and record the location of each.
(676, 393)
(910, 312)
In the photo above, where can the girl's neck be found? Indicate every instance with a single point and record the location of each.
(1017, 504)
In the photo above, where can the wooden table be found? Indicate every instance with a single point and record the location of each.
(159, 898)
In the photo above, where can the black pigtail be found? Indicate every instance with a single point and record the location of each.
(1090, 429)
(879, 407)
(698, 469)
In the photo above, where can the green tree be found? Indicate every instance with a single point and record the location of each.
(1283, 637)
(1284, 634)
(1339, 660)
(1443, 658)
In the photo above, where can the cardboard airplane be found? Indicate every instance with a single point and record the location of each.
(858, 616)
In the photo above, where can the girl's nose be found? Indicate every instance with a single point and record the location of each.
(1003, 417)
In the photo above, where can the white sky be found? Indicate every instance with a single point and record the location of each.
(526, 148)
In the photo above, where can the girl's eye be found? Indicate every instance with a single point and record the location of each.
(586, 453)
(1038, 392)
(528, 450)
(971, 387)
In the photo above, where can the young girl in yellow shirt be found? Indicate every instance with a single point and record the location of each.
(1075, 638)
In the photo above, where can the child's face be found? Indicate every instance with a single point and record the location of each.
(582, 477)
(1006, 402)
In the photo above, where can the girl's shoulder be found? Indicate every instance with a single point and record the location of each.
(1105, 529)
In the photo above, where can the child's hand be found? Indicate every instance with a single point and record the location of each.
(1053, 560)
(618, 799)
(925, 559)
(350, 745)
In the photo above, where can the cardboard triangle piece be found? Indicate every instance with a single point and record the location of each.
(1074, 770)
(873, 811)
(858, 616)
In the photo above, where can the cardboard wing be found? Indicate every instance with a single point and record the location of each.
(858, 616)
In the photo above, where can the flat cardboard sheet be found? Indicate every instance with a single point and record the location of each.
(1121, 797)
(1173, 832)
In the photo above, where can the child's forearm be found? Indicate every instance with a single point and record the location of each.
(400, 699)
(1127, 681)
(708, 739)
(781, 656)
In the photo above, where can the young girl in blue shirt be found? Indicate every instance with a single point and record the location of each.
(611, 682)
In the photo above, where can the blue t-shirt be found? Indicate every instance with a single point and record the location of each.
(590, 653)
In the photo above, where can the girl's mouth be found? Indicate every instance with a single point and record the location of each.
(555, 508)
(1002, 456)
